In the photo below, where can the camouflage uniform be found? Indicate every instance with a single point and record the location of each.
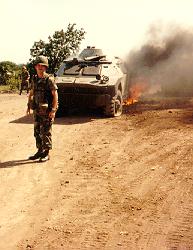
(24, 80)
(42, 105)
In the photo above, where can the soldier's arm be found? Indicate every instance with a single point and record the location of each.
(54, 104)
(29, 101)
(28, 75)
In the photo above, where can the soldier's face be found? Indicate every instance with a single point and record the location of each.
(40, 68)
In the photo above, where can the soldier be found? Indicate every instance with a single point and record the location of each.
(24, 80)
(44, 98)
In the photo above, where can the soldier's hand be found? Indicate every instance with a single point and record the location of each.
(28, 111)
(52, 115)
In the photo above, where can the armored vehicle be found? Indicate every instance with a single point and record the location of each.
(92, 81)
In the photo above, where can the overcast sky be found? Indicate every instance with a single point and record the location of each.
(117, 26)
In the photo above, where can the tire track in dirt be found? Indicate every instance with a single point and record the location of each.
(180, 237)
(172, 164)
(123, 183)
(89, 168)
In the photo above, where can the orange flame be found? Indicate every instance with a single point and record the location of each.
(136, 91)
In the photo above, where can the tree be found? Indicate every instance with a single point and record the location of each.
(60, 46)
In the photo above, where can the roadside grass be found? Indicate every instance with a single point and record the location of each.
(8, 88)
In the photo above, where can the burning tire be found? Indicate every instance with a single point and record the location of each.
(115, 107)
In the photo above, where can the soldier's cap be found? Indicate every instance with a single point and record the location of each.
(42, 60)
(24, 67)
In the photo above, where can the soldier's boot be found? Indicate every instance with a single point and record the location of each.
(45, 156)
(37, 155)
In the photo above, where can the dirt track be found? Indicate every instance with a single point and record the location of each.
(122, 183)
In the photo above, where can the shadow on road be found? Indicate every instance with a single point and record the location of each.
(78, 118)
(28, 119)
(74, 117)
(14, 163)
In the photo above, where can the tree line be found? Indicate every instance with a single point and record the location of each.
(59, 46)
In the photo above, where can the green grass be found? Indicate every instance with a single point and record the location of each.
(7, 88)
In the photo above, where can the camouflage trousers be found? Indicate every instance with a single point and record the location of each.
(43, 131)
(24, 86)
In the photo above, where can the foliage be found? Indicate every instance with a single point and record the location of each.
(9, 72)
(60, 46)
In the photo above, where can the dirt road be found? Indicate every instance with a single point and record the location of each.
(120, 183)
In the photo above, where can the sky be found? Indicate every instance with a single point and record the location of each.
(116, 26)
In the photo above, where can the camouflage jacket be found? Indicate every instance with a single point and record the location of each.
(25, 76)
(42, 91)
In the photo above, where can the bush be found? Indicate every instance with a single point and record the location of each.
(9, 73)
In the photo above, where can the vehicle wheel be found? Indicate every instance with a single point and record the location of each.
(115, 107)
(60, 112)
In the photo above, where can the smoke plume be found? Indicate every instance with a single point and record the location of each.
(164, 63)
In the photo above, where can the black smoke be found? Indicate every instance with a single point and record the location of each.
(164, 62)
